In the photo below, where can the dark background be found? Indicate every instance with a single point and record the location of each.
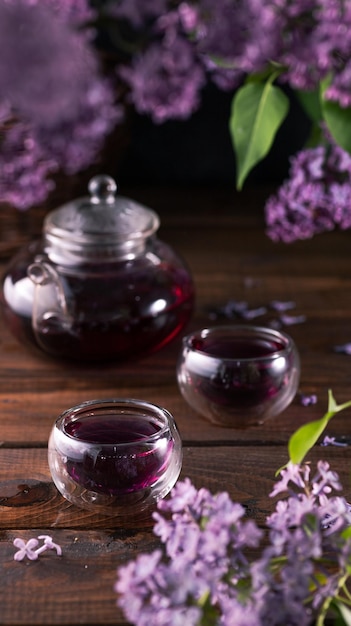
(198, 151)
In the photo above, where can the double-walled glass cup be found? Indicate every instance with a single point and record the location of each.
(238, 375)
(115, 456)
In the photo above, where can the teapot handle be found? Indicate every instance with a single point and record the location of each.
(50, 311)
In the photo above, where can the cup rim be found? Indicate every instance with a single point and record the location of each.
(81, 410)
(245, 329)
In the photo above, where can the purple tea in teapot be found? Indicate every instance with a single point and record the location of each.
(100, 284)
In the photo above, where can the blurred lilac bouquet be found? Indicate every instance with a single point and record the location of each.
(206, 574)
(57, 108)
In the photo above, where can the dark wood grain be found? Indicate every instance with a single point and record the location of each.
(221, 236)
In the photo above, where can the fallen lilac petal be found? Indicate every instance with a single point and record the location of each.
(252, 313)
(234, 307)
(327, 441)
(289, 320)
(280, 305)
(49, 545)
(344, 348)
(26, 549)
(307, 400)
(332, 441)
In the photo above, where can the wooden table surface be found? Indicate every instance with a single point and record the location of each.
(221, 236)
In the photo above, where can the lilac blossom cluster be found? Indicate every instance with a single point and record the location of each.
(188, 43)
(166, 52)
(203, 574)
(56, 109)
(315, 198)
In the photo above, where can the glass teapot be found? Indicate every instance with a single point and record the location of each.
(99, 284)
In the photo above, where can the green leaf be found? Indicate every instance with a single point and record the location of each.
(344, 613)
(311, 103)
(346, 534)
(305, 437)
(338, 119)
(269, 74)
(258, 110)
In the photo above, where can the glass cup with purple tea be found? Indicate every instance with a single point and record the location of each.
(238, 375)
(115, 456)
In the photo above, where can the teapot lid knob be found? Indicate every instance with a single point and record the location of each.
(102, 189)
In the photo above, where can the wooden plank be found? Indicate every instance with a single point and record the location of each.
(75, 588)
(31, 400)
(29, 499)
(26, 419)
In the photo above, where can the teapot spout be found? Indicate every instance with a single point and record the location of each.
(50, 311)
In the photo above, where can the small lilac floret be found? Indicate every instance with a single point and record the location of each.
(49, 544)
(344, 348)
(316, 196)
(26, 549)
(281, 305)
(289, 320)
(253, 313)
(332, 441)
(290, 474)
(307, 400)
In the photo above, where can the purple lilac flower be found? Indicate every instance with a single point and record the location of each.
(166, 80)
(25, 167)
(308, 399)
(315, 41)
(76, 142)
(333, 441)
(221, 515)
(231, 38)
(282, 305)
(334, 28)
(315, 198)
(58, 110)
(251, 314)
(45, 64)
(241, 32)
(282, 601)
(204, 540)
(291, 474)
(151, 591)
(325, 480)
(289, 320)
(307, 527)
(29, 155)
(213, 580)
(49, 544)
(307, 39)
(25, 549)
(340, 88)
(299, 23)
(344, 348)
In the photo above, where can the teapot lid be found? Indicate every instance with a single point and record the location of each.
(101, 225)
